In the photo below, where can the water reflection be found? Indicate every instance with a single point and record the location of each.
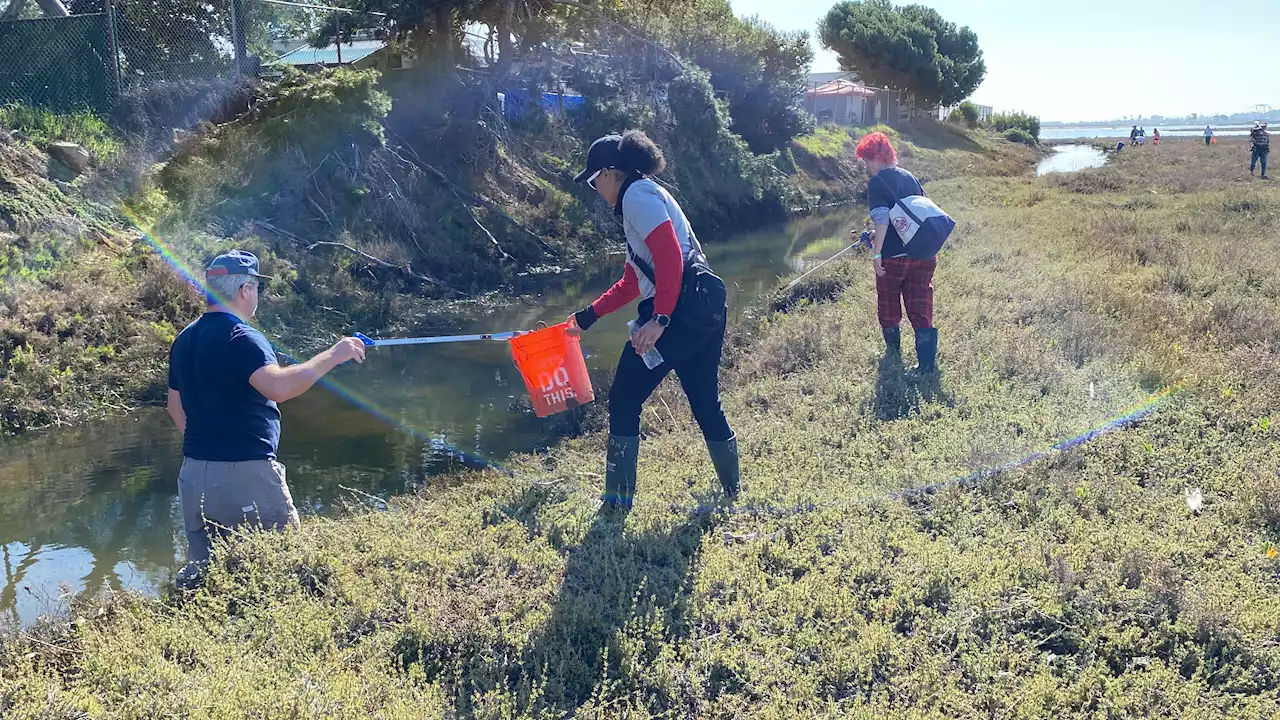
(1071, 158)
(96, 507)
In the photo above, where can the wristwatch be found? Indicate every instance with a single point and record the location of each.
(662, 320)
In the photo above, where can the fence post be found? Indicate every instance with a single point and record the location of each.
(112, 49)
(237, 35)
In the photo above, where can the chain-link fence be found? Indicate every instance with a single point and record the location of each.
(107, 48)
(62, 63)
(169, 40)
(281, 33)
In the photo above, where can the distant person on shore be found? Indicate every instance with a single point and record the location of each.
(1260, 146)
(900, 280)
(224, 384)
(1208, 135)
(662, 255)
(1155, 136)
(1133, 135)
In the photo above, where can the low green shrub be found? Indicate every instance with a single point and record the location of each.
(965, 113)
(1019, 120)
(826, 141)
(1019, 135)
(44, 126)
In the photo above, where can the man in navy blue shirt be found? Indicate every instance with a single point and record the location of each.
(224, 383)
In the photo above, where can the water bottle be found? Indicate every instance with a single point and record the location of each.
(653, 358)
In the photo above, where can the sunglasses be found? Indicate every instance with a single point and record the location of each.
(591, 181)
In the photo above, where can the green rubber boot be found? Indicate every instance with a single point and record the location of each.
(620, 473)
(892, 343)
(926, 351)
(724, 455)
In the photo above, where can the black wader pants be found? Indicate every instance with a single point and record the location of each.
(695, 358)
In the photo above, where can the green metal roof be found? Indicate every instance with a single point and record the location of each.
(351, 52)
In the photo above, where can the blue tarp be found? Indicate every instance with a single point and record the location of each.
(516, 99)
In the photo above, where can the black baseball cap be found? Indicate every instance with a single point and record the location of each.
(236, 262)
(604, 154)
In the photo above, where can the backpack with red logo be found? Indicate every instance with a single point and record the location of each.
(922, 226)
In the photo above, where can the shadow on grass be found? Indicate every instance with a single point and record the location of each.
(899, 392)
(623, 598)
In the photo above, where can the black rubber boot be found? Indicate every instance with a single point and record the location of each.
(724, 455)
(620, 473)
(926, 351)
(892, 342)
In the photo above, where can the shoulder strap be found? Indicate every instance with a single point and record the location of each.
(695, 256)
(641, 263)
(898, 201)
(884, 183)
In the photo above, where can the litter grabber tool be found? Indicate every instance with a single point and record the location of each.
(864, 241)
(550, 362)
(436, 340)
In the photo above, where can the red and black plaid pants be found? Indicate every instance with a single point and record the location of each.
(907, 281)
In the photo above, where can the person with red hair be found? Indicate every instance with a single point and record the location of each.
(900, 280)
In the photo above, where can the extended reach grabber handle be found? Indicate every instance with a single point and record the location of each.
(439, 339)
(863, 241)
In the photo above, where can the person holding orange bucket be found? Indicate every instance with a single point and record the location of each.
(681, 317)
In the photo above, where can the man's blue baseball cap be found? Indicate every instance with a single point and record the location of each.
(236, 262)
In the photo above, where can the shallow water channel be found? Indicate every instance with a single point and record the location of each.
(96, 506)
(1071, 158)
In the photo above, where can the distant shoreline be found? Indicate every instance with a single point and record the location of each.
(1055, 134)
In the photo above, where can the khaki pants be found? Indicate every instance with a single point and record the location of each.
(221, 496)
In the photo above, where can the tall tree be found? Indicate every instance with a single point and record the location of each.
(758, 69)
(436, 26)
(906, 48)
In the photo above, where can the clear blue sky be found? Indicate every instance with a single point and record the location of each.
(1099, 59)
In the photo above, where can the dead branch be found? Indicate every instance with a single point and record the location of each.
(371, 259)
(327, 220)
(405, 270)
(485, 230)
(468, 196)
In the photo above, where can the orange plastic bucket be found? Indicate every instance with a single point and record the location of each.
(554, 371)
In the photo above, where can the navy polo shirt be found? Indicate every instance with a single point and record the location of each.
(884, 191)
(227, 419)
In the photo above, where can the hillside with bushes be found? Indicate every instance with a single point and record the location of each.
(383, 200)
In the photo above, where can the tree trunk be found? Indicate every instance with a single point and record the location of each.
(506, 43)
(444, 37)
(53, 8)
(14, 11)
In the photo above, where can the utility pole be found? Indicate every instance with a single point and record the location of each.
(237, 36)
(114, 62)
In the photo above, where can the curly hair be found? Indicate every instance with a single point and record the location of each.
(877, 147)
(638, 154)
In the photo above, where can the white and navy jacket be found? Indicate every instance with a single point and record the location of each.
(658, 234)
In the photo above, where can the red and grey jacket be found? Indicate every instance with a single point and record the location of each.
(659, 235)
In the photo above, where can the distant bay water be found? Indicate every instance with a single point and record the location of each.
(1122, 131)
